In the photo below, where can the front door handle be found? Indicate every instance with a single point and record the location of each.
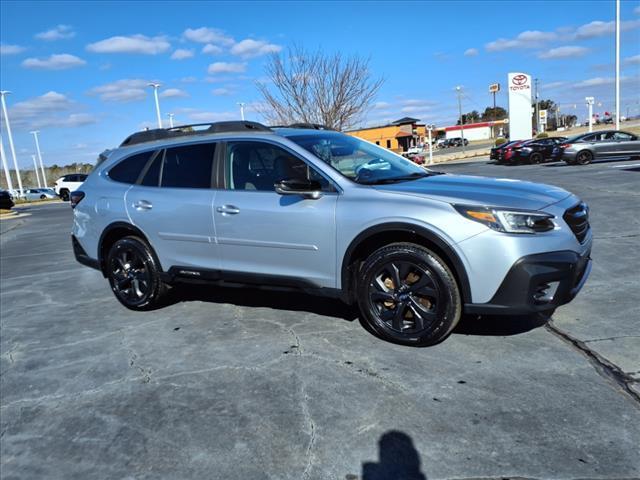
(143, 205)
(228, 209)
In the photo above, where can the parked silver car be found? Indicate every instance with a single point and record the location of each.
(320, 211)
(610, 144)
(31, 194)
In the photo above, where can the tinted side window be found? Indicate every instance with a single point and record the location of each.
(189, 166)
(622, 136)
(258, 166)
(128, 170)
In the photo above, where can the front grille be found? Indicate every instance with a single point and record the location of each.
(577, 217)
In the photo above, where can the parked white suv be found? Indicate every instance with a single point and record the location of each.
(68, 183)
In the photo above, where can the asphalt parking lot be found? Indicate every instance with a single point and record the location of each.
(254, 384)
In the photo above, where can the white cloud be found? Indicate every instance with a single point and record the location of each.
(58, 32)
(131, 44)
(564, 52)
(207, 35)
(196, 115)
(126, 90)
(173, 93)
(553, 85)
(61, 61)
(381, 105)
(181, 54)
(188, 79)
(7, 49)
(526, 39)
(471, 52)
(249, 48)
(599, 28)
(637, 10)
(52, 109)
(224, 67)
(221, 92)
(635, 60)
(211, 49)
(596, 82)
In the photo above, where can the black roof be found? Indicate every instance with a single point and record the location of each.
(405, 120)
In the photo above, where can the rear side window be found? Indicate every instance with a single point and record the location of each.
(128, 170)
(189, 166)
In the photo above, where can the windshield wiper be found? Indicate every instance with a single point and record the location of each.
(403, 178)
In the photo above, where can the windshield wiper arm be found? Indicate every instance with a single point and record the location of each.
(403, 178)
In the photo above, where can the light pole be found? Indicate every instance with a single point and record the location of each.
(35, 169)
(429, 129)
(3, 94)
(459, 92)
(5, 167)
(44, 177)
(241, 104)
(537, 112)
(170, 115)
(590, 101)
(155, 94)
(617, 64)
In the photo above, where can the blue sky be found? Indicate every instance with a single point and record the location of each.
(78, 70)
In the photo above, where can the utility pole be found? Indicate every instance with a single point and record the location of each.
(44, 177)
(429, 129)
(35, 169)
(459, 92)
(617, 64)
(170, 115)
(3, 94)
(155, 94)
(5, 167)
(537, 114)
(241, 104)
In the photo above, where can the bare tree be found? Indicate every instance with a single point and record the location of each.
(303, 87)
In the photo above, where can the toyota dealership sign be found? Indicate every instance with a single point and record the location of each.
(520, 123)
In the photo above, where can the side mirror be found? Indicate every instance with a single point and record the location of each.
(309, 189)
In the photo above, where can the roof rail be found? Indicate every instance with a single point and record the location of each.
(186, 130)
(311, 126)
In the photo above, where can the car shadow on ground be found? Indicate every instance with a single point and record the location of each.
(297, 301)
(286, 300)
(500, 325)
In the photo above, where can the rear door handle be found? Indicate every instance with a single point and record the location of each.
(142, 205)
(228, 209)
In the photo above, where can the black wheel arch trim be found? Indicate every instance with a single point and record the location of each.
(126, 226)
(451, 256)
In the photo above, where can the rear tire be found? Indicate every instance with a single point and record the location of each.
(535, 158)
(408, 295)
(64, 195)
(585, 157)
(134, 274)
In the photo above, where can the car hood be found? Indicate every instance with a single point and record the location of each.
(495, 192)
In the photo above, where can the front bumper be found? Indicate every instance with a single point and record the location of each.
(537, 283)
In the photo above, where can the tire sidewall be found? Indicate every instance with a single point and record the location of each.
(448, 314)
(152, 297)
(536, 158)
(589, 157)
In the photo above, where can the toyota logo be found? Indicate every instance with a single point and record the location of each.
(519, 79)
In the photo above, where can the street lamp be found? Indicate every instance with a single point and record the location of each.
(459, 92)
(590, 101)
(3, 94)
(35, 169)
(35, 136)
(241, 104)
(170, 115)
(4, 166)
(429, 129)
(618, 64)
(155, 94)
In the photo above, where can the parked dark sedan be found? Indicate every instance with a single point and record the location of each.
(504, 153)
(537, 150)
(611, 144)
(5, 200)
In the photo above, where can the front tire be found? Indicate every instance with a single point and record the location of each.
(535, 158)
(408, 295)
(64, 195)
(134, 274)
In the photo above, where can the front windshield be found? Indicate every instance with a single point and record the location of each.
(358, 160)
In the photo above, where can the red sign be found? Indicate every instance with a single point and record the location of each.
(519, 82)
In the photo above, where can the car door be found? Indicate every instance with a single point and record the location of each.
(265, 234)
(172, 204)
(604, 145)
(626, 144)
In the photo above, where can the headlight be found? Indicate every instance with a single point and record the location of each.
(508, 221)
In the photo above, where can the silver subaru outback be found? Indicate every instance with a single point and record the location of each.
(308, 208)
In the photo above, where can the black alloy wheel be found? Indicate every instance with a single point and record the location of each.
(133, 274)
(536, 157)
(408, 295)
(64, 195)
(585, 157)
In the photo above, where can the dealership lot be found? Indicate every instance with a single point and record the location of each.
(243, 384)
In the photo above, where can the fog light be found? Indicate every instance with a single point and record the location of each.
(545, 292)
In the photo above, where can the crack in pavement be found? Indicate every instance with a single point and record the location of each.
(312, 430)
(610, 338)
(604, 367)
